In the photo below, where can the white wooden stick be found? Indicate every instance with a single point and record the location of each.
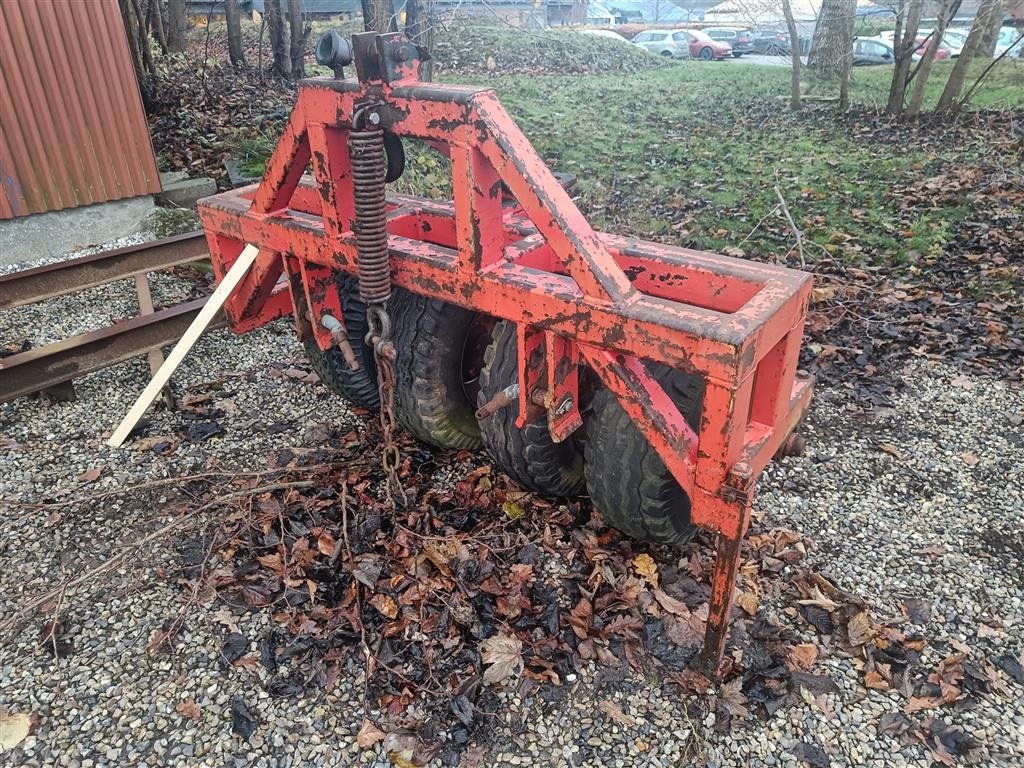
(187, 341)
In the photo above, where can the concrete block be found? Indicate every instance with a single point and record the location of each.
(185, 192)
(170, 177)
(59, 232)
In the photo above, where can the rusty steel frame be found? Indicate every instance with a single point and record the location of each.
(43, 367)
(513, 245)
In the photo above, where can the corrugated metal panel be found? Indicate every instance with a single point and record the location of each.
(72, 127)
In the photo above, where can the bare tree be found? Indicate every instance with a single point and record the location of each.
(176, 26)
(419, 29)
(378, 16)
(947, 10)
(904, 43)
(278, 40)
(831, 52)
(155, 22)
(236, 53)
(833, 37)
(794, 52)
(300, 33)
(142, 64)
(990, 34)
(948, 100)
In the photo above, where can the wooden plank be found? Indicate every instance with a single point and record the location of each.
(231, 279)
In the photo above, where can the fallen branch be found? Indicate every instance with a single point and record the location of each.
(151, 484)
(124, 556)
(796, 230)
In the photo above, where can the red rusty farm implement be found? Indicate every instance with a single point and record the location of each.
(682, 364)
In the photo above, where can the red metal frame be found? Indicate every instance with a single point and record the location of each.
(580, 296)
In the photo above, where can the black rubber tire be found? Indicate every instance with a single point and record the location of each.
(430, 393)
(706, 54)
(627, 480)
(528, 455)
(358, 387)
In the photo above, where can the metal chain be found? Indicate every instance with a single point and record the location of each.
(379, 337)
(369, 175)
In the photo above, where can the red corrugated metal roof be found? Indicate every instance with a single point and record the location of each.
(72, 127)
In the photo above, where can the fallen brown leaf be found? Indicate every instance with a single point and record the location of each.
(803, 656)
(503, 654)
(14, 729)
(90, 475)
(188, 708)
(369, 734)
(670, 604)
(614, 711)
(646, 568)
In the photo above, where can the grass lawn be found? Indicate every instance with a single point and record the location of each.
(692, 154)
(688, 153)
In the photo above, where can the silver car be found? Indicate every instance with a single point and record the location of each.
(664, 42)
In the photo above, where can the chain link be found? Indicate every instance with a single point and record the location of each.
(369, 175)
(379, 337)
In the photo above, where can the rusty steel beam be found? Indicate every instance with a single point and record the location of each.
(40, 368)
(32, 285)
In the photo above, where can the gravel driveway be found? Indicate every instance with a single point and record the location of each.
(920, 500)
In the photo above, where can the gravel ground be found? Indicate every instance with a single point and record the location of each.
(936, 513)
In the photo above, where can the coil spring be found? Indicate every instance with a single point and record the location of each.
(369, 166)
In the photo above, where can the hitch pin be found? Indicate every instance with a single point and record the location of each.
(504, 398)
(337, 331)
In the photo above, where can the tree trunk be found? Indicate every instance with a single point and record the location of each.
(176, 26)
(947, 101)
(419, 29)
(924, 70)
(378, 16)
(300, 34)
(236, 53)
(794, 52)
(832, 45)
(156, 24)
(903, 51)
(278, 40)
(143, 37)
(990, 35)
(145, 82)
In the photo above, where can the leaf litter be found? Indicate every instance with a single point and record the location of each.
(437, 607)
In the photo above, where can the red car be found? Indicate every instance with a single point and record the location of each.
(922, 45)
(703, 47)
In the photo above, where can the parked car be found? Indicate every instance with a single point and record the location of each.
(664, 42)
(702, 46)
(922, 40)
(954, 41)
(922, 45)
(607, 34)
(868, 52)
(740, 39)
(1009, 39)
(771, 42)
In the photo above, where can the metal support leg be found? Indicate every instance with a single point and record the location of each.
(723, 586)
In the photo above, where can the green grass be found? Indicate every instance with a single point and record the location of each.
(1003, 87)
(691, 154)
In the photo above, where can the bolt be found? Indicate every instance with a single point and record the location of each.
(564, 407)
